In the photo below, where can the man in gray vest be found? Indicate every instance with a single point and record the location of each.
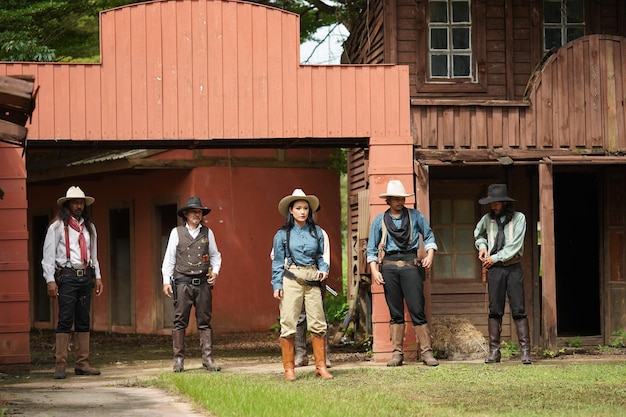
(190, 268)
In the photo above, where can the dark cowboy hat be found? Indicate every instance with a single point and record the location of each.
(192, 204)
(495, 192)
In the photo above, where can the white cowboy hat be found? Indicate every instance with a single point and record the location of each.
(75, 192)
(395, 189)
(298, 194)
(495, 192)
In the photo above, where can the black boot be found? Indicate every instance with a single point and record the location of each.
(206, 344)
(523, 337)
(302, 358)
(495, 326)
(178, 342)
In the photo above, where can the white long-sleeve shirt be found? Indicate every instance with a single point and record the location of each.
(55, 252)
(169, 259)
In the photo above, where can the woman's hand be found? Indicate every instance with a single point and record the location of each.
(278, 294)
(322, 275)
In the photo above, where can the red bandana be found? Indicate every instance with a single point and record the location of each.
(82, 242)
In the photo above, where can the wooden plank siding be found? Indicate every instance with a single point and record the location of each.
(565, 111)
(201, 70)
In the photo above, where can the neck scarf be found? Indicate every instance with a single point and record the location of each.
(500, 236)
(401, 234)
(82, 242)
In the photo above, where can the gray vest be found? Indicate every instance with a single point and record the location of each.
(192, 255)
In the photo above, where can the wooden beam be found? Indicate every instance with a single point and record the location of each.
(548, 265)
(482, 155)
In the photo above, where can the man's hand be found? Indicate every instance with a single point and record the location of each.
(167, 290)
(99, 287)
(427, 262)
(53, 290)
(376, 275)
(211, 279)
(322, 275)
(278, 294)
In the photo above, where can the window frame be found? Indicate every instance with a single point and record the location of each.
(563, 25)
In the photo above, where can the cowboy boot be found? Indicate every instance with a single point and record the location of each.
(300, 344)
(495, 326)
(396, 334)
(422, 334)
(61, 344)
(523, 337)
(206, 345)
(178, 341)
(319, 353)
(82, 356)
(287, 350)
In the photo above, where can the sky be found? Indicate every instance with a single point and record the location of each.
(329, 50)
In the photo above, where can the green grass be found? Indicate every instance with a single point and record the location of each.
(547, 389)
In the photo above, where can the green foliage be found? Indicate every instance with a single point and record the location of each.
(275, 328)
(339, 161)
(575, 342)
(509, 349)
(619, 338)
(547, 353)
(336, 308)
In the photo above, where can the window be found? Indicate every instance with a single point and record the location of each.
(450, 39)
(453, 222)
(563, 21)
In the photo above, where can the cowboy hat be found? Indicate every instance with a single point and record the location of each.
(193, 203)
(495, 192)
(395, 189)
(297, 194)
(75, 192)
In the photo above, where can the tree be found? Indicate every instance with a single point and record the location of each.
(68, 30)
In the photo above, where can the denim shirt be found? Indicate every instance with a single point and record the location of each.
(305, 251)
(420, 225)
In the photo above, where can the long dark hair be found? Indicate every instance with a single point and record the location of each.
(289, 220)
(507, 211)
(64, 215)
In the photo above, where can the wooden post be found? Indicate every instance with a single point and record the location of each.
(548, 281)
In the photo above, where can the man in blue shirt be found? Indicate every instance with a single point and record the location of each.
(392, 255)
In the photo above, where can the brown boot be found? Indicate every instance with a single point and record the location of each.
(495, 327)
(423, 338)
(523, 337)
(319, 353)
(287, 350)
(206, 345)
(82, 356)
(302, 359)
(396, 334)
(60, 361)
(328, 363)
(178, 342)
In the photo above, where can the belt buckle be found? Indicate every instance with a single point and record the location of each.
(195, 281)
(80, 272)
(400, 263)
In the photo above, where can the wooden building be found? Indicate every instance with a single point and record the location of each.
(191, 97)
(525, 92)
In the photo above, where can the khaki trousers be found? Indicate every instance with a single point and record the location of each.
(294, 295)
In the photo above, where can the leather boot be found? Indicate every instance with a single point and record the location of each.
(206, 346)
(287, 351)
(523, 337)
(60, 359)
(82, 356)
(178, 341)
(302, 358)
(328, 363)
(495, 327)
(319, 353)
(396, 334)
(422, 334)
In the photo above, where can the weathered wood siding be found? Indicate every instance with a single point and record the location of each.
(576, 103)
(205, 70)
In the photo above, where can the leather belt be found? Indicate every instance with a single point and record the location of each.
(193, 281)
(401, 264)
(76, 272)
(511, 261)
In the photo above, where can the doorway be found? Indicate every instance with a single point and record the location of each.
(576, 227)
